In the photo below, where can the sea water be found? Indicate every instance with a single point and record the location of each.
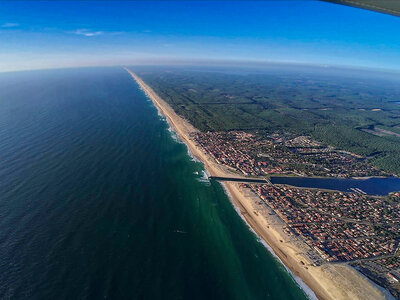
(99, 201)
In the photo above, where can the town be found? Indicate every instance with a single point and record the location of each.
(337, 227)
(340, 227)
(263, 153)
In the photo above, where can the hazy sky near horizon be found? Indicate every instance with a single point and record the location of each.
(65, 34)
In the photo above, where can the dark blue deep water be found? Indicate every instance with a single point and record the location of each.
(99, 201)
(371, 186)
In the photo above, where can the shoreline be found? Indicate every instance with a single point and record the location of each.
(306, 289)
(328, 281)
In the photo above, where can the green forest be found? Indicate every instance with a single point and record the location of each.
(354, 112)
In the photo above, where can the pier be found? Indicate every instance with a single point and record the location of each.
(241, 179)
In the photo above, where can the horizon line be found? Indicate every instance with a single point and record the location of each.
(256, 64)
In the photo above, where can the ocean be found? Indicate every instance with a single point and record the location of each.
(100, 200)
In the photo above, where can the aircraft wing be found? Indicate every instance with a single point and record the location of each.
(391, 7)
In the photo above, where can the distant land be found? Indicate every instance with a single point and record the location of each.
(354, 110)
(304, 122)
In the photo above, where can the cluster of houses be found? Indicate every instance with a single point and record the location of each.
(391, 263)
(261, 153)
(340, 226)
(352, 249)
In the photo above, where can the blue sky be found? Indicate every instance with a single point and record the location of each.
(62, 34)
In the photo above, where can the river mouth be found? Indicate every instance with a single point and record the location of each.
(371, 186)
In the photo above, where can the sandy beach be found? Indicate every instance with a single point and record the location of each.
(328, 281)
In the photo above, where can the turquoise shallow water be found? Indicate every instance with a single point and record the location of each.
(99, 201)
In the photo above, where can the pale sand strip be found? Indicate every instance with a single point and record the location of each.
(330, 281)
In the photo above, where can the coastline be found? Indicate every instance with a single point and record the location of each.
(329, 281)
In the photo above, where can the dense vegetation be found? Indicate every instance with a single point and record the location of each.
(358, 112)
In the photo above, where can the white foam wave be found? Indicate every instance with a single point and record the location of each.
(173, 133)
(159, 113)
(205, 175)
(204, 178)
(193, 158)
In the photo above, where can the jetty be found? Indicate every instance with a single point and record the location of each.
(241, 179)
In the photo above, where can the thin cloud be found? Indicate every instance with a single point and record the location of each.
(9, 25)
(87, 32)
